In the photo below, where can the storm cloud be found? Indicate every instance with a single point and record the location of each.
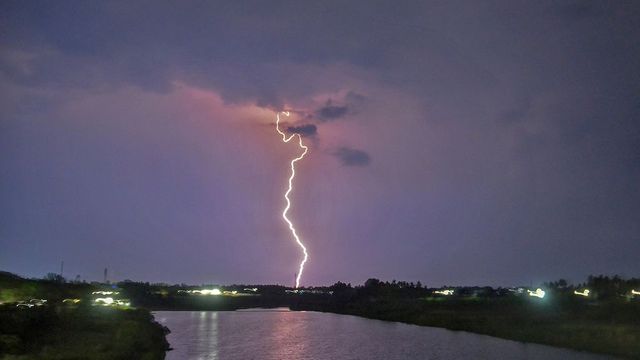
(352, 157)
(307, 130)
(127, 125)
(331, 112)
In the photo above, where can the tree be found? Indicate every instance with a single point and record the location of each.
(54, 277)
(372, 283)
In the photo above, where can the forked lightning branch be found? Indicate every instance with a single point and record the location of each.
(289, 190)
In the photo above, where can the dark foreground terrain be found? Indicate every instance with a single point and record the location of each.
(80, 333)
(31, 328)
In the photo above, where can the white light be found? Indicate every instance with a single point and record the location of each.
(447, 292)
(538, 293)
(206, 292)
(289, 190)
(634, 292)
(104, 301)
(105, 293)
(584, 293)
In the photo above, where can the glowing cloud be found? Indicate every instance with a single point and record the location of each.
(286, 194)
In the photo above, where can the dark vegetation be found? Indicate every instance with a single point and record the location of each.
(158, 297)
(607, 321)
(59, 330)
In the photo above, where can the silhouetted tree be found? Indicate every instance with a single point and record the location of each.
(54, 277)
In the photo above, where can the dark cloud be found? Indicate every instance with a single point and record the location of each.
(307, 130)
(346, 106)
(497, 133)
(355, 98)
(331, 112)
(352, 157)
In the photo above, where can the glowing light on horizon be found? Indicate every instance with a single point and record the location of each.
(203, 291)
(105, 293)
(584, 293)
(106, 301)
(634, 292)
(539, 293)
(447, 292)
(286, 194)
(123, 302)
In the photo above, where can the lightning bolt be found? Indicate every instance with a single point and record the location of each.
(286, 194)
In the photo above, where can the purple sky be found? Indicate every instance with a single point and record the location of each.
(450, 142)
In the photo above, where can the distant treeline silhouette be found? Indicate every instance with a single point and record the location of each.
(605, 321)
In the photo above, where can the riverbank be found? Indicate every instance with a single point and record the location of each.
(85, 332)
(37, 318)
(612, 329)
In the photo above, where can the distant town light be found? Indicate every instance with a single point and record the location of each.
(73, 301)
(105, 293)
(123, 302)
(31, 303)
(539, 293)
(584, 293)
(203, 291)
(447, 292)
(635, 292)
(107, 301)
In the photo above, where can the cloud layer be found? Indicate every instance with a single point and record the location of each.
(496, 135)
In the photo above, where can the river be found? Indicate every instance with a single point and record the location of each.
(282, 334)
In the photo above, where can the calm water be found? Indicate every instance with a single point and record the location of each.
(282, 334)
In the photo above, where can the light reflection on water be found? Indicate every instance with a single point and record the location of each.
(269, 334)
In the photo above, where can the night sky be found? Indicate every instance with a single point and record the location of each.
(454, 143)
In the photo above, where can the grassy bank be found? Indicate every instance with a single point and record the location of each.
(80, 333)
(37, 323)
(612, 328)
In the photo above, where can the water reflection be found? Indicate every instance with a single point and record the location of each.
(309, 335)
(287, 337)
(194, 334)
(207, 347)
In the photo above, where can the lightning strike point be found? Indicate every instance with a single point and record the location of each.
(286, 139)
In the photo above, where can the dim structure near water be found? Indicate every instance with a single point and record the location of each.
(283, 334)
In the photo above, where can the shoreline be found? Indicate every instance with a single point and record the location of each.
(606, 323)
(547, 334)
(584, 336)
